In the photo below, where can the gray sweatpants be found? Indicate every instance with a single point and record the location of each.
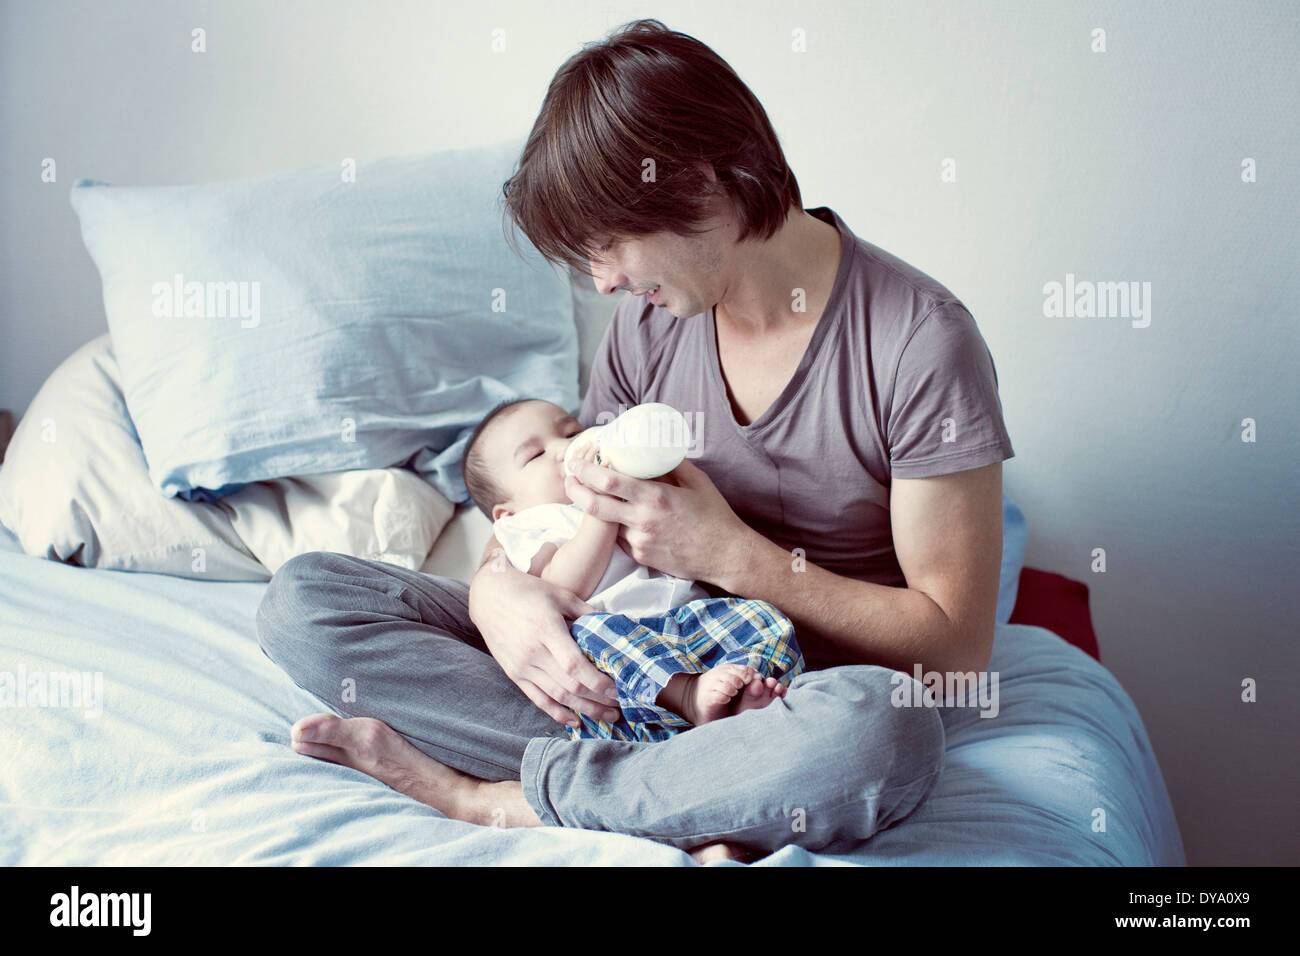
(828, 766)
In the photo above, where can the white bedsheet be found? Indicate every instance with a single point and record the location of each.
(189, 763)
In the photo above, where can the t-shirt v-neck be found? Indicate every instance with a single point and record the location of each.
(826, 325)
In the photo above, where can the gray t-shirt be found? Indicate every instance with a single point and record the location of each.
(896, 382)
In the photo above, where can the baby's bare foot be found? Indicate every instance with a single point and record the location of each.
(712, 693)
(701, 698)
(758, 694)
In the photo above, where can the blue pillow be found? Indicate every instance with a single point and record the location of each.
(1015, 534)
(303, 323)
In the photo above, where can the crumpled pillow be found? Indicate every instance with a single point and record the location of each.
(75, 488)
(381, 514)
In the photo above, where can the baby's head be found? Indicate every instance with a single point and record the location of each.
(515, 457)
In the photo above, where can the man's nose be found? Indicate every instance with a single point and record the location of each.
(607, 283)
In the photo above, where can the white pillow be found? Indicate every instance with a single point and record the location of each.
(75, 487)
(381, 514)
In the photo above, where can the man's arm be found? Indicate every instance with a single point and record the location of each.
(948, 537)
(523, 621)
(947, 533)
(947, 529)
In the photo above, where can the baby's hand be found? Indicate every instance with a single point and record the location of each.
(587, 450)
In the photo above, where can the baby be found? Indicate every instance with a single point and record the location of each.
(678, 657)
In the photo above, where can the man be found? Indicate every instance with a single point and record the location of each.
(848, 471)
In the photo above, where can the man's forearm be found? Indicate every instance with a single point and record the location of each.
(848, 621)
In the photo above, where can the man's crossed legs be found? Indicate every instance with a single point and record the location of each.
(831, 763)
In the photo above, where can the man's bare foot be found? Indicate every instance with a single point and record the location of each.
(718, 852)
(759, 693)
(374, 748)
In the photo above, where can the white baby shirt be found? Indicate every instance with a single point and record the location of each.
(626, 588)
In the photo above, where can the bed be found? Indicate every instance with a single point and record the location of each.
(188, 761)
(141, 722)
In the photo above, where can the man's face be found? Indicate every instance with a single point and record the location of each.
(524, 452)
(689, 271)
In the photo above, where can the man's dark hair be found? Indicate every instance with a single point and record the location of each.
(645, 92)
(483, 489)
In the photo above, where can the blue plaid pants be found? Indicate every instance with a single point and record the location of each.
(643, 654)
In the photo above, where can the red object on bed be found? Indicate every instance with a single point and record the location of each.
(1059, 604)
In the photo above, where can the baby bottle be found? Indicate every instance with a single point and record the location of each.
(646, 441)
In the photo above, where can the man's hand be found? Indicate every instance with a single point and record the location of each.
(523, 622)
(679, 524)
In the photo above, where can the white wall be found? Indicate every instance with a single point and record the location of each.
(1123, 165)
